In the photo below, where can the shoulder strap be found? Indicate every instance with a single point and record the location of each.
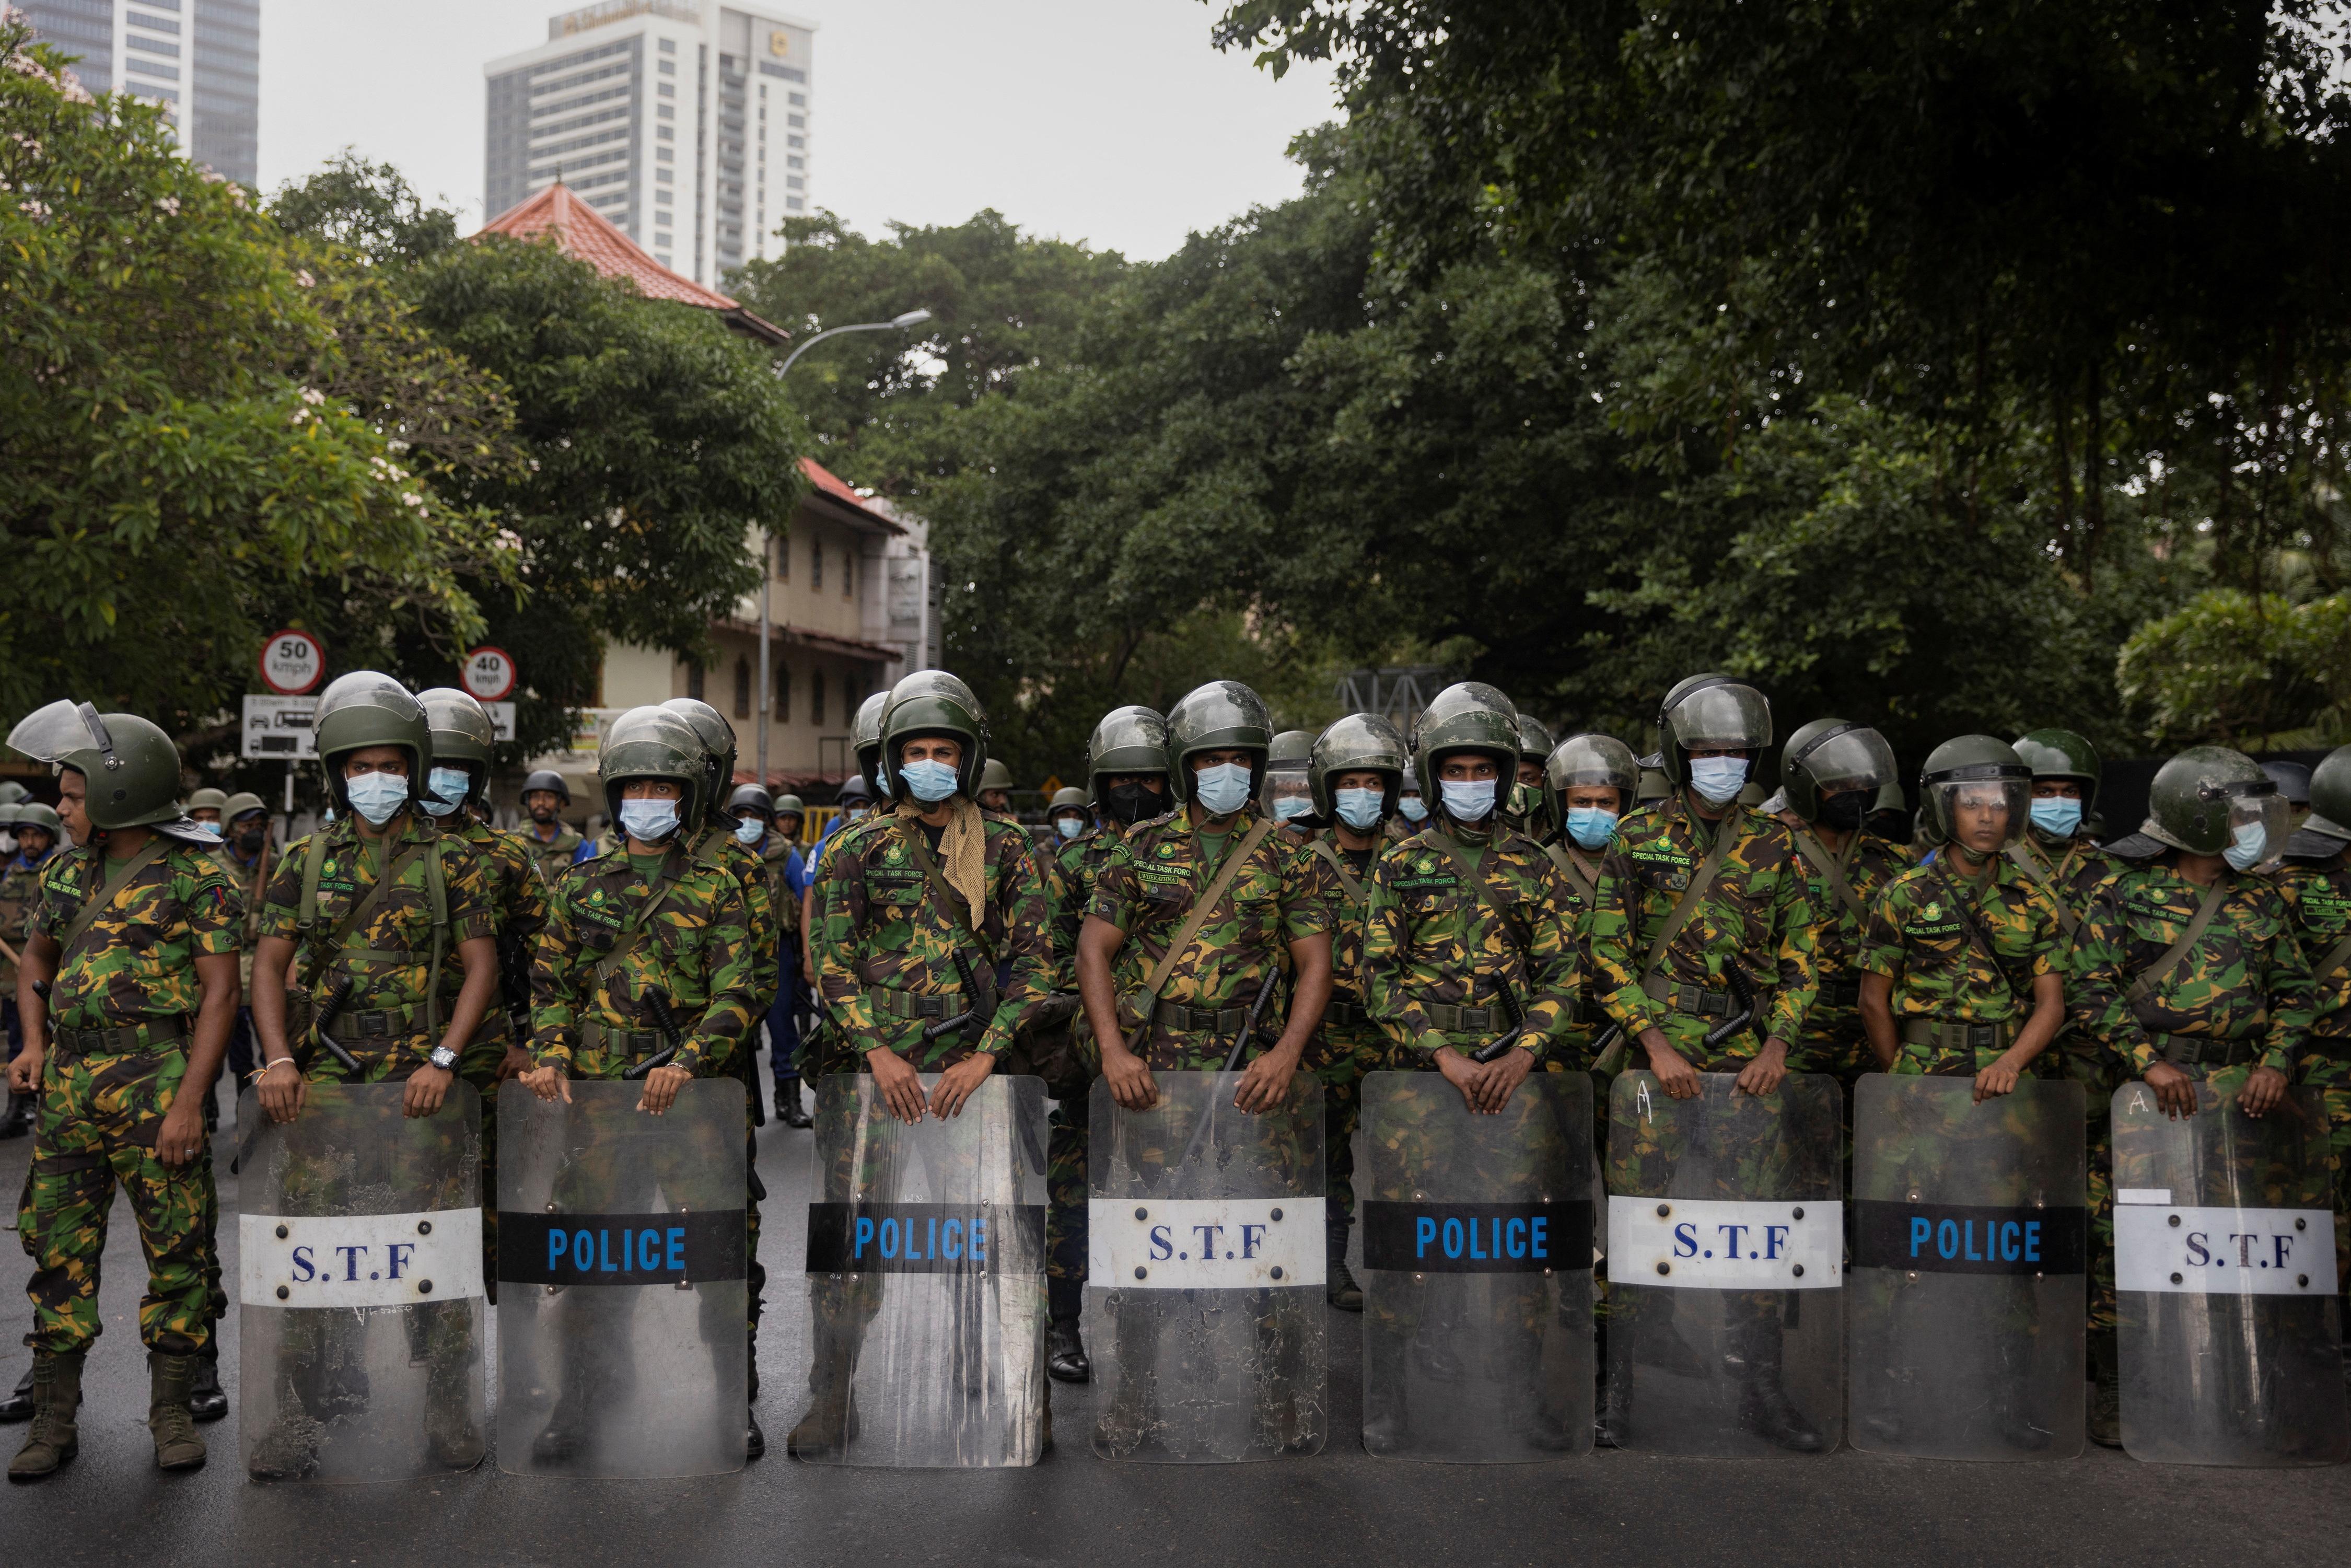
(2336, 957)
(1818, 854)
(1588, 888)
(314, 855)
(666, 881)
(325, 953)
(1208, 902)
(2144, 987)
(1347, 879)
(1686, 905)
(966, 915)
(1477, 884)
(156, 844)
(2031, 865)
(1966, 911)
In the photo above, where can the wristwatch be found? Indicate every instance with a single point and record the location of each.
(442, 1058)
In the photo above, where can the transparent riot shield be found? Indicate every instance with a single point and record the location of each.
(2224, 1261)
(1476, 1271)
(1726, 1248)
(1968, 1277)
(926, 1280)
(359, 1285)
(1205, 1271)
(623, 1346)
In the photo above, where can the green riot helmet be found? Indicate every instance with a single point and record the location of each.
(1223, 716)
(2062, 754)
(2328, 829)
(655, 742)
(12, 793)
(1526, 800)
(36, 814)
(1287, 796)
(1974, 772)
(462, 738)
(865, 739)
(1889, 814)
(994, 775)
(206, 799)
(1469, 716)
(933, 702)
(2210, 800)
(1068, 795)
(129, 767)
(1655, 785)
(1359, 743)
(1590, 761)
(1712, 711)
(8, 809)
(243, 804)
(790, 806)
(364, 708)
(1835, 756)
(1068, 812)
(718, 737)
(752, 799)
(1128, 740)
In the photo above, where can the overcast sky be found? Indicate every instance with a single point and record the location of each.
(1111, 121)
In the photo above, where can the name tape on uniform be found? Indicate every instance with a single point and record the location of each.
(925, 1239)
(1714, 1244)
(1205, 1244)
(1477, 1238)
(359, 1260)
(538, 1249)
(1969, 1239)
(2176, 1250)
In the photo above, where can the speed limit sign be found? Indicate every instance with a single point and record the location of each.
(489, 674)
(292, 662)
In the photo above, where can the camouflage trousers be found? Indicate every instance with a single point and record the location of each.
(1339, 1058)
(1067, 1058)
(97, 1126)
(2069, 1058)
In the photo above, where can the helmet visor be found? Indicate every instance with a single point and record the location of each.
(1732, 719)
(1851, 759)
(1580, 761)
(1972, 805)
(2270, 816)
(56, 732)
(1286, 791)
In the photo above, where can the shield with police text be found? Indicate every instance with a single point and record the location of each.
(926, 1280)
(1476, 1271)
(1205, 1273)
(1969, 1247)
(1726, 1265)
(622, 1349)
(359, 1284)
(2224, 1262)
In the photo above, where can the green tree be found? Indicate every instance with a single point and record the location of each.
(2255, 670)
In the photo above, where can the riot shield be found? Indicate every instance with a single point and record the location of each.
(1476, 1271)
(359, 1287)
(1206, 1264)
(2224, 1262)
(622, 1349)
(1726, 1248)
(926, 1280)
(1967, 1287)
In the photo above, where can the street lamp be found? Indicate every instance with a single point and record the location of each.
(898, 323)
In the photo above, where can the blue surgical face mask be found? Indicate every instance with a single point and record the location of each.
(2252, 846)
(1223, 789)
(1069, 827)
(649, 821)
(445, 790)
(2057, 816)
(1360, 808)
(1467, 799)
(1292, 806)
(378, 797)
(1591, 826)
(1718, 779)
(927, 782)
(854, 813)
(1414, 808)
(750, 830)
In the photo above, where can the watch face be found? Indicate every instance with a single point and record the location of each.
(442, 1058)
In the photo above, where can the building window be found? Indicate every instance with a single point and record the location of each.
(783, 695)
(669, 46)
(782, 553)
(742, 688)
(848, 572)
(693, 682)
(816, 569)
(816, 698)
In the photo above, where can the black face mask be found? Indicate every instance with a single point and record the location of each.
(1844, 811)
(250, 839)
(1130, 803)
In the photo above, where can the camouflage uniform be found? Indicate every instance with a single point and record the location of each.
(1579, 877)
(2241, 997)
(1073, 869)
(20, 888)
(554, 856)
(103, 1099)
(2318, 899)
(1833, 1039)
(1349, 1041)
(1918, 939)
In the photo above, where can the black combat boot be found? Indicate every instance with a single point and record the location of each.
(1065, 1349)
(16, 1121)
(206, 1400)
(1764, 1407)
(18, 1406)
(2105, 1416)
(789, 1109)
(1338, 1286)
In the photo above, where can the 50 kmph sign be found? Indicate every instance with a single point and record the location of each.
(292, 662)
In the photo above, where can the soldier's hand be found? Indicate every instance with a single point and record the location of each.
(900, 1085)
(1762, 1075)
(2001, 1078)
(25, 1073)
(1676, 1077)
(548, 1083)
(661, 1085)
(2265, 1087)
(1467, 1076)
(1129, 1077)
(960, 1083)
(427, 1087)
(283, 1091)
(1501, 1080)
(181, 1138)
(2174, 1090)
(1265, 1082)
(514, 1063)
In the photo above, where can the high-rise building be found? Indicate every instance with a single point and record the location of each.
(685, 122)
(200, 59)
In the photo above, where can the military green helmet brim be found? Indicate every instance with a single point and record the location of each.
(2062, 754)
(994, 775)
(368, 708)
(39, 814)
(2200, 797)
(1709, 712)
(654, 743)
(131, 769)
(462, 729)
(1358, 743)
(933, 702)
(1469, 716)
(1221, 715)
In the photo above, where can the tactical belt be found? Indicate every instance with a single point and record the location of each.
(1344, 1014)
(2203, 1050)
(632, 1043)
(1462, 1020)
(1839, 994)
(1696, 1000)
(379, 1023)
(122, 1039)
(898, 1004)
(1200, 1020)
(1957, 1035)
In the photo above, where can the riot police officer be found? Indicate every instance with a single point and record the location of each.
(1289, 799)
(554, 842)
(1833, 769)
(756, 818)
(1527, 797)
(995, 788)
(2315, 883)
(1070, 815)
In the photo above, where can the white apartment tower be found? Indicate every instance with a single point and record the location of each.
(685, 122)
(201, 59)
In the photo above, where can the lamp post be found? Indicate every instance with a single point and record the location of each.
(913, 318)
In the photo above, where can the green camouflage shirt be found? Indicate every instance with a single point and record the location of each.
(1917, 939)
(2318, 901)
(1349, 909)
(1868, 866)
(1281, 894)
(880, 926)
(775, 853)
(1758, 917)
(390, 952)
(517, 894)
(137, 959)
(2245, 979)
(695, 953)
(2071, 878)
(20, 889)
(758, 886)
(1073, 870)
(1431, 939)
(554, 856)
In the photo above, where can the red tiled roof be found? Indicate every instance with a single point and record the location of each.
(834, 486)
(582, 232)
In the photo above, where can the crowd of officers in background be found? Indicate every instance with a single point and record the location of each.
(1414, 901)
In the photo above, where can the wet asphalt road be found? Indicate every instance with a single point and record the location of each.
(111, 1507)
